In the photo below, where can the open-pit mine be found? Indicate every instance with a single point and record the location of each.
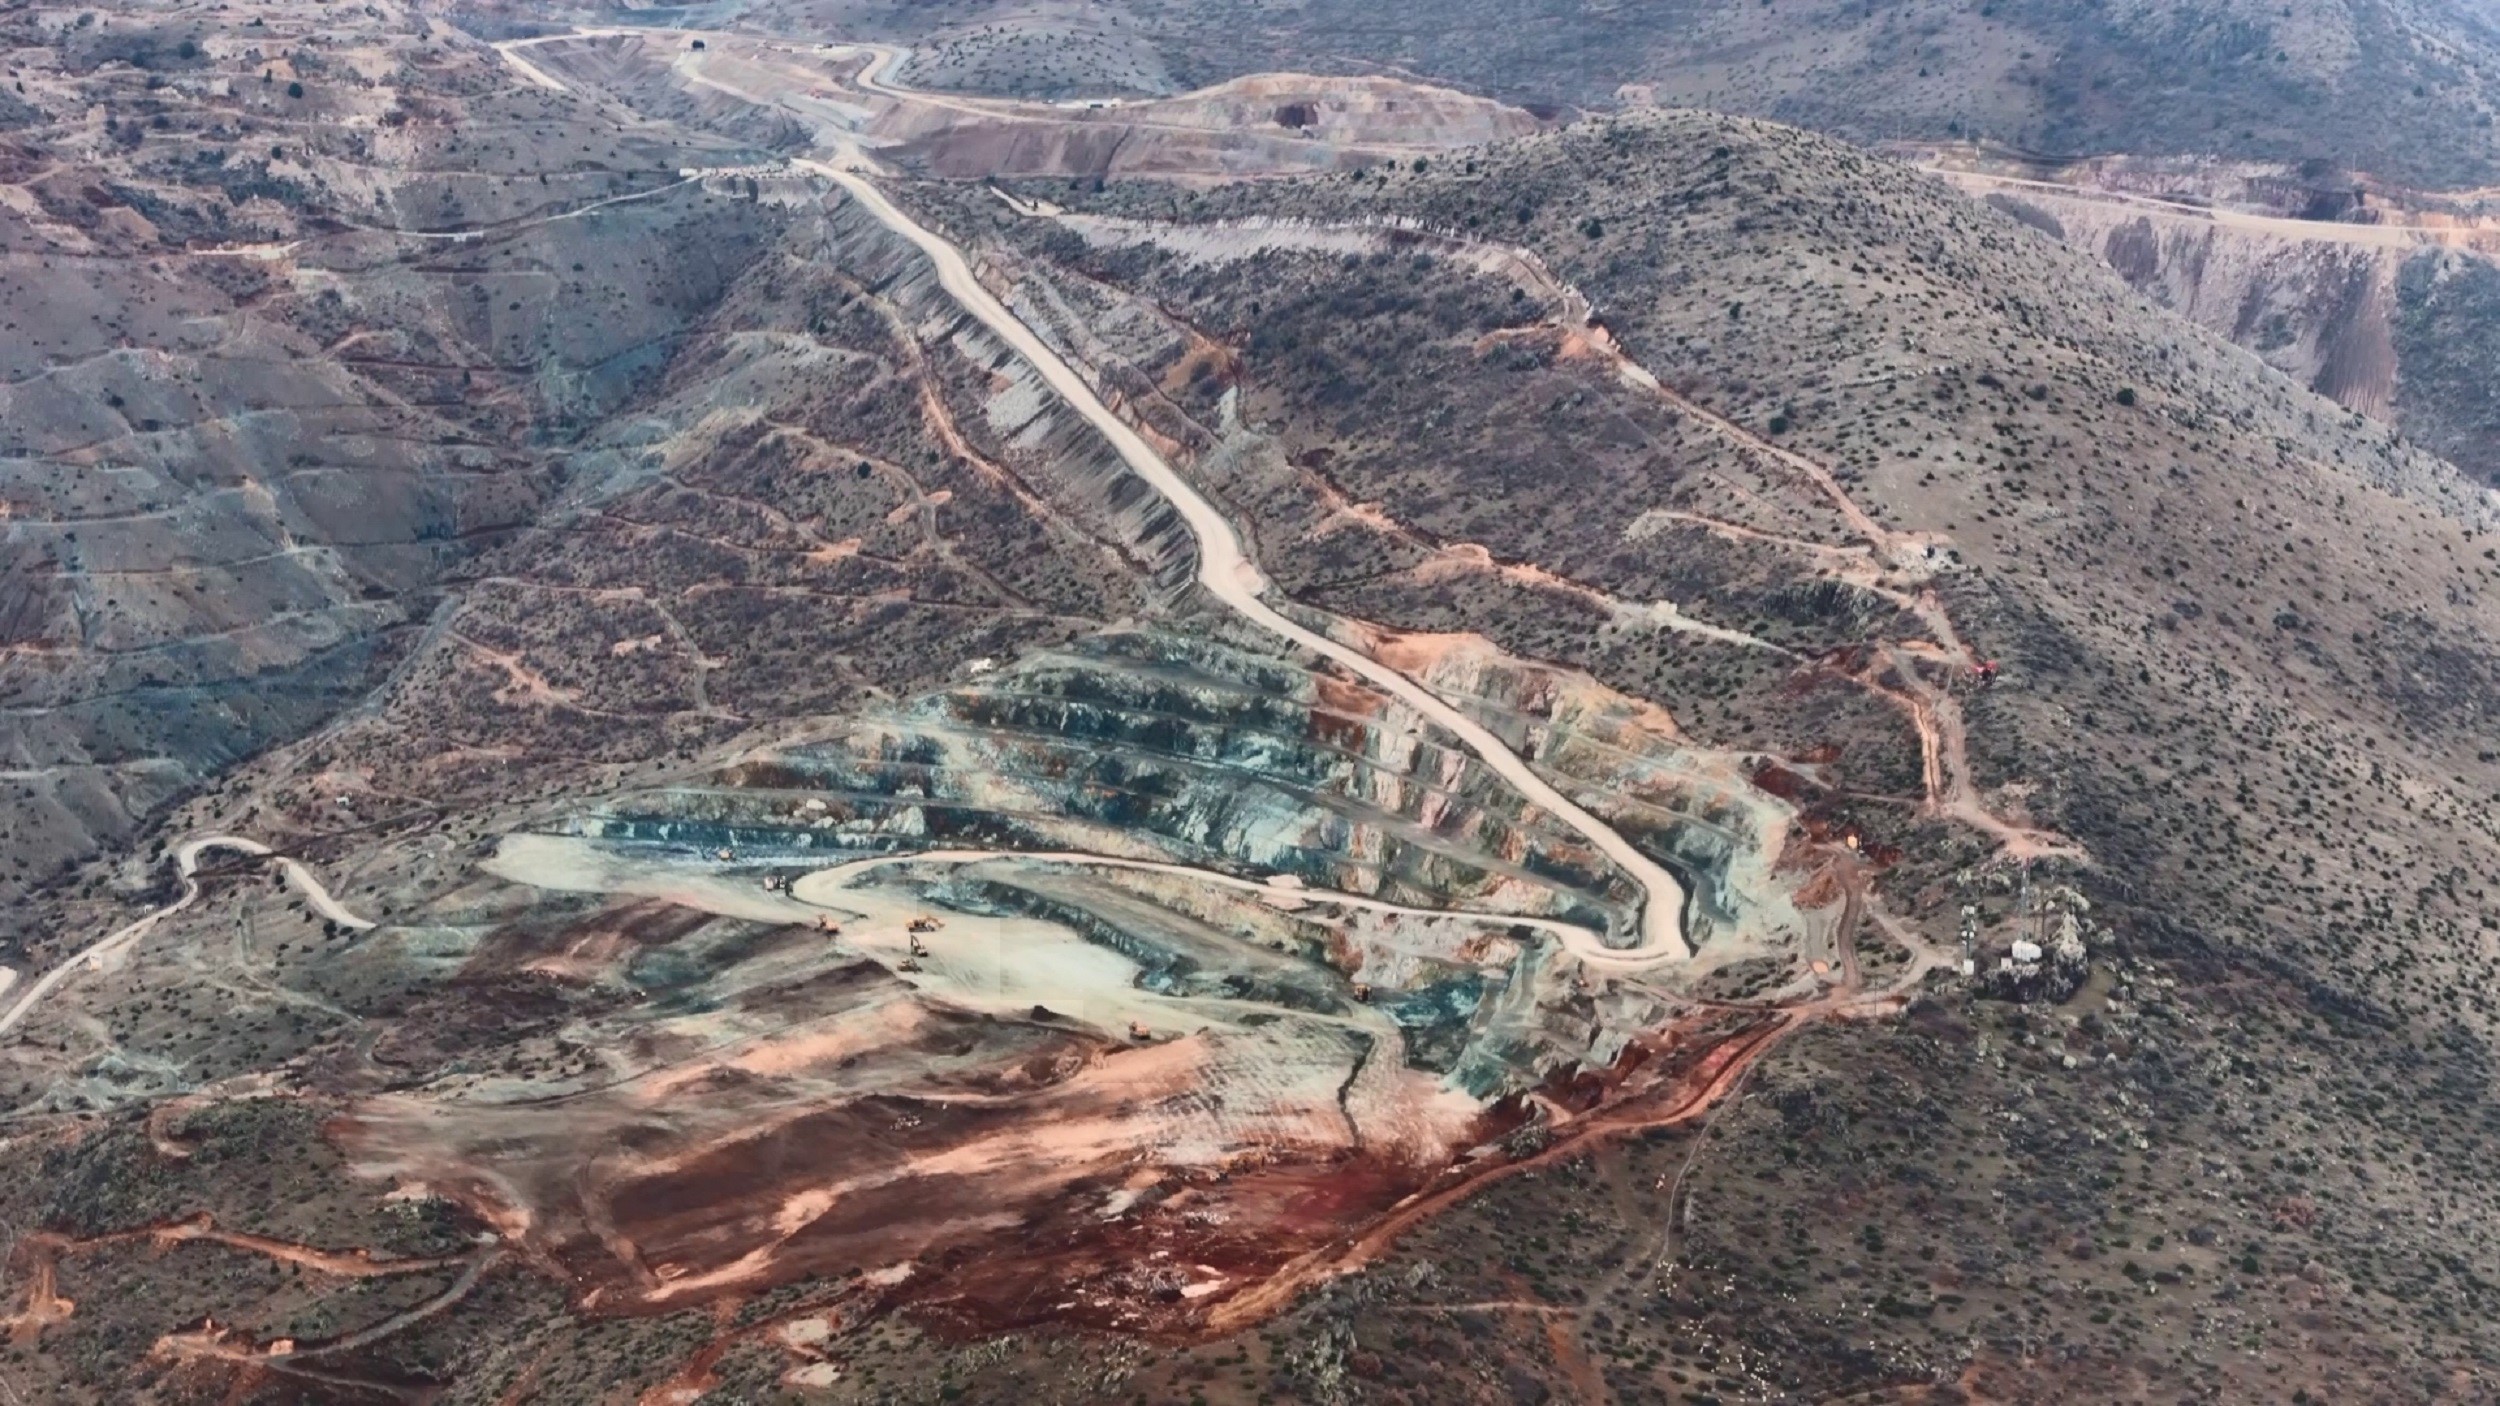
(826, 720)
(1134, 981)
(1138, 974)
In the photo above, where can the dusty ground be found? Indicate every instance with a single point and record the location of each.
(1693, 470)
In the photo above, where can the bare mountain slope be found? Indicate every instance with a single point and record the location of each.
(258, 399)
(2245, 676)
(870, 898)
(2149, 516)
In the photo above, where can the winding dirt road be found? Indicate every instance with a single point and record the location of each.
(187, 862)
(2383, 232)
(1228, 574)
(824, 888)
(1224, 566)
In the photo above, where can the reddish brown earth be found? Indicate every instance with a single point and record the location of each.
(977, 1191)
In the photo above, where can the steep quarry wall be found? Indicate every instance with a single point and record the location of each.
(1163, 747)
(2378, 299)
(2319, 309)
(1030, 976)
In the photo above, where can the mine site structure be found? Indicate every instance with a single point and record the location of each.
(2026, 918)
(2046, 924)
(2045, 935)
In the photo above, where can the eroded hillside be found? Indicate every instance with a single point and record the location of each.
(295, 312)
(1372, 784)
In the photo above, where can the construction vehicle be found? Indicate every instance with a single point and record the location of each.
(918, 947)
(925, 923)
(826, 925)
(908, 964)
(1137, 1031)
(1363, 991)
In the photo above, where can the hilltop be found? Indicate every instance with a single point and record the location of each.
(2403, 89)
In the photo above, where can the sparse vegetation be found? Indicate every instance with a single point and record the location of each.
(689, 510)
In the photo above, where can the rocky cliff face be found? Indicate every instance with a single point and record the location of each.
(2446, 334)
(2371, 296)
